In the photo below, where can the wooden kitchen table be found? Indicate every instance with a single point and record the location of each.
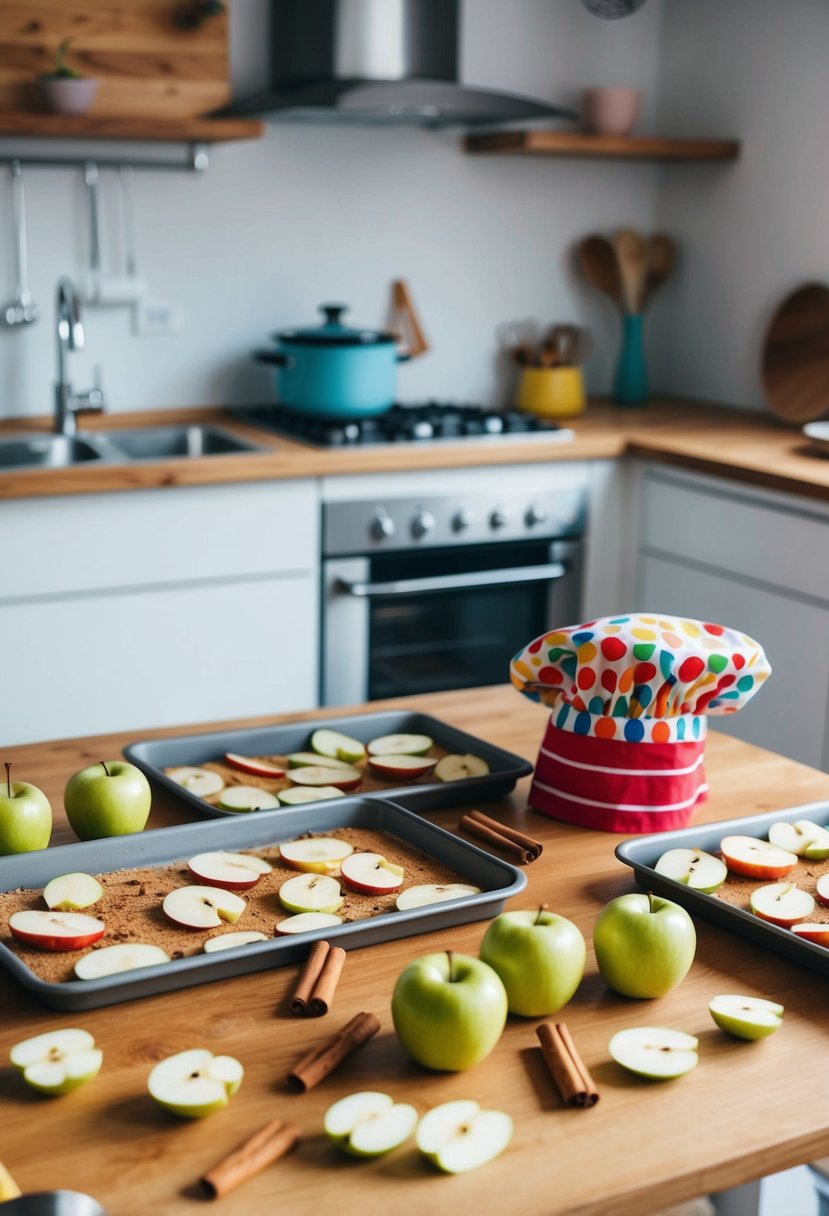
(747, 1110)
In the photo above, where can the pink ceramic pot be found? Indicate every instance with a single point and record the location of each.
(610, 111)
(68, 95)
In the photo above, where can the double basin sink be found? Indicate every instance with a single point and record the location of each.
(50, 451)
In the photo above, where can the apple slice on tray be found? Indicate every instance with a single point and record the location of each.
(243, 798)
(655, 1052)
(400, 767)
(112, 960)
(199, 781)
(695, 869)
(822, 889)
(236, 871)
(254, 767)
(72, 892)
(319, 774)
(782, 903)
(369, 1124)
(458, 768)
(311, 893)
(337, 746)
(57, 1062)
(746, 1017)
(226, 941)
(195, 1083)
(304, 759)
(433, 893)
(307, 922)
(371, 874)
(458, 1136)
(803, 837)
(756, 858)
(56, 930)
(298, 795)
(315, 854)
(203, 907)
(400, 745)
(813, 931)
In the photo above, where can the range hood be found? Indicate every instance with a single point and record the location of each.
(376, 61)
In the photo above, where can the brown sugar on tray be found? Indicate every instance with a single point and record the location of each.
(737, 890)
(131, 903)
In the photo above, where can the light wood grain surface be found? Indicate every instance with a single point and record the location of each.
(582, 144)
(747, 1110)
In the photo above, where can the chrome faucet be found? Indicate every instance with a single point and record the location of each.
(71, 337)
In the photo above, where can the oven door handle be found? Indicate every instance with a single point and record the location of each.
(455, 582)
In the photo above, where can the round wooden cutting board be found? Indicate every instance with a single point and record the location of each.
(795, 367)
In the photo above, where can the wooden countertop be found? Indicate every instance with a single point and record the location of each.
(740, 444)
(748, 1109)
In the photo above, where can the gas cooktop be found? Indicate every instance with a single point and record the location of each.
(434, 420)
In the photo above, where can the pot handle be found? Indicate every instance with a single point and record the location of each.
(274, 356)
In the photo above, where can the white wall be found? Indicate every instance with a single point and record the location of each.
(319, 213)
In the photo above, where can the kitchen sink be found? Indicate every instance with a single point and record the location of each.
(171, 442)
(46, 452)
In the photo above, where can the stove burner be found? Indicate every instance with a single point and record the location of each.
(401, 424)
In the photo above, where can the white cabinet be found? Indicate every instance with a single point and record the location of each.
(158, 607)
(757, 561)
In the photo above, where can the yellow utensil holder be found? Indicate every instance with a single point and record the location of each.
(551, 392)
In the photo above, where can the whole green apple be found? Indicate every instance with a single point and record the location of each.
(644, 945)
(448, 1010)
(25, 816)
(539, 957)
(110, 798)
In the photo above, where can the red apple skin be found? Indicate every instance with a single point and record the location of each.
(817, 933)
(245, 764)
(387, 773)
(781, 921)
(822, 890)
(226, 885)
(363, 888)
(56, 944)
(749, 869)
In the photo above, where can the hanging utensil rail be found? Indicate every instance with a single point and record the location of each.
(196, 160)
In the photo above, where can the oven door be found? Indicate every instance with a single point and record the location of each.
(396, 624)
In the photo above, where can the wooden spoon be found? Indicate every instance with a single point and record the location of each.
(597, 260)
(631, 257)
(660, 257)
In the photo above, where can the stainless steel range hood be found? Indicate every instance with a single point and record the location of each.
(376, 61)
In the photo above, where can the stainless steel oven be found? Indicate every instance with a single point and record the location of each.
(424, 592)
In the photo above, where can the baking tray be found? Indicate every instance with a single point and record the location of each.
(154, 755)
(497, 879)
(643, 852)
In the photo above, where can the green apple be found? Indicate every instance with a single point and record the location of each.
(448, 1010)
(459, 1136)
(111, 798)
(57, 1062)
(644, 945)
(746, 1017)
(369, 1124)
(195, 1083)
(539, 957)
(655, 1052)
(25, 816)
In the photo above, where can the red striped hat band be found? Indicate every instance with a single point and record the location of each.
(615, 785)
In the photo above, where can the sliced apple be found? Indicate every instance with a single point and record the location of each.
(310, 893)
(303, 759)
(433, 893)
(813, 932)
(369, 1124)
(746, 1017)
(199, 781)
(756, 858)
(320, 774)
(195, 1083)
(371, 874)
(228, 940)
(803, 837)
(400, 768)
(71, 892)
(254, 767)
(316, 854)
(301, 794)
(112, 960)
(57, 1062)
(782, 903)
(56, 930)
(238, 871)
(822, 889)
(203, 907)
(8, 1187)
(306, 922)
(241, 798)
(654, 1052)
(458, 768)
(459, 1136)
(698, 870)
(400, 745)
(337, 746)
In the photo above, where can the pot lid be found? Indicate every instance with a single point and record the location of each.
(333, 333)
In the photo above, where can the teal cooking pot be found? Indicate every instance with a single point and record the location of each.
(333, 371)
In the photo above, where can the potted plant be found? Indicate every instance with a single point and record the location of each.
(64, 90)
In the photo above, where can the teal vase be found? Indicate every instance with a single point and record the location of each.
(630, 385)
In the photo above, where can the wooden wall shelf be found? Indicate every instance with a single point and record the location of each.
(20, 124)
(579, 144)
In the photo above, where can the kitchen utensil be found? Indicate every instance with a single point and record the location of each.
(660, 255)
(21, 310)
(565, 346)
(519, 340)
(53, 1203)
(631, 258)
(92, 286)
(332, 371)
(406, 320)
(610, 111)
(795, 357)
(551, 392)
(597, 259)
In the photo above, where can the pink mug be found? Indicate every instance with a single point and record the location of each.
(610, 111)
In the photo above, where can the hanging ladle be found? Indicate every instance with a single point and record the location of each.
(21, 310)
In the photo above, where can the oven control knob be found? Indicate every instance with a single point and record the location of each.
(422, 524)
(536, 514)
(499, 518)
(462, 520)
(382, 526)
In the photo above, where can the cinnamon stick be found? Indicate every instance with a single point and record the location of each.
(308, 977)
(323, 993)
(497, 840)
(317, 1064)
(527, 842)
(264, 1147)
(572, 1080)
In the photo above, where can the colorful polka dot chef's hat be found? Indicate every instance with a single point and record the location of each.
(630, 697)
